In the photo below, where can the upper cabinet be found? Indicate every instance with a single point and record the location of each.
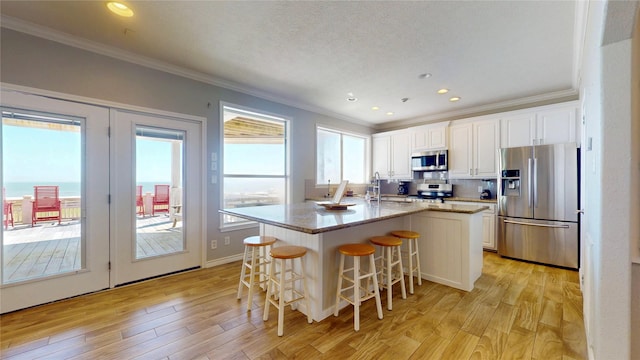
(544, 125)
(392, 154)
(473, 149)
(429, 137)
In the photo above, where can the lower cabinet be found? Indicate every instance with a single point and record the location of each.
(488, 224)
(450, 247)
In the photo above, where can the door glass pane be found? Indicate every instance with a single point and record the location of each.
(42, 187)
(158, 192)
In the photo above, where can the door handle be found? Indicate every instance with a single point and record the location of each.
(535, 182)
(540, 225)
(529, 189)
(580, 211)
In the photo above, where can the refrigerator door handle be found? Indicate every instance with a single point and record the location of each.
(529, 192)
(535, 182)
(540, 225)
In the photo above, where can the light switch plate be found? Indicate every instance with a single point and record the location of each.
(479, 189)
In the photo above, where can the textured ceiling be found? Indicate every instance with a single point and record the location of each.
(311, 54)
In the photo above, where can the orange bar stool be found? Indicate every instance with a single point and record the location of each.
(256, 263)
(412, 239)
(391, 257)
(360, 293)
(280, 281)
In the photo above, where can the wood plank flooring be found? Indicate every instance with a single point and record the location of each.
(517, 310)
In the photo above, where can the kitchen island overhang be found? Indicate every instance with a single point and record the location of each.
(457, 233)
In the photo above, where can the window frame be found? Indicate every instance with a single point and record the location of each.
(218, 170)
(342, 133)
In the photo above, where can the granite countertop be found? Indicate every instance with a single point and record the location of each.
(310, 218)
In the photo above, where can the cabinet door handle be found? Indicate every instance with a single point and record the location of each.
(470, 171)
(476, 171)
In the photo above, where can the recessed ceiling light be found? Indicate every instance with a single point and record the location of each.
(351, 97)
(119, 8)
(424, 76)
(454, 98)
(375, 108)
(389, 113)
(443, 91)
(404, 99)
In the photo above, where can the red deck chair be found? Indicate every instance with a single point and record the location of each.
(161, 198)
(139, 201)
(45, 203)
(7, 210)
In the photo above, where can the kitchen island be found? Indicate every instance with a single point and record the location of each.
(450, 242)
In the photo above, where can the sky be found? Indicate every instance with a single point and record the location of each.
(31, 154)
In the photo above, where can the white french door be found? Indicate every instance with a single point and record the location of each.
(65, 252)
(157, 195)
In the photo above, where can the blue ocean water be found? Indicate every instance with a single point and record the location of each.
(19, 189)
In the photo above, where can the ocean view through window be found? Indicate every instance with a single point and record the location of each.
(254, 165)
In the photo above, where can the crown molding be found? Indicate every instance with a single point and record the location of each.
(113, 52)
(509, 105)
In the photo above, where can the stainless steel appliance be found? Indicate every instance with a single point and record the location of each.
(429, 161)
(434, 191)
(537, 204)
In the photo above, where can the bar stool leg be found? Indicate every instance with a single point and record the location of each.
(341, 269)
(418, 263)
(283, 270)
(376, 287)
(356, 292)
(243, 272)
(410, 242)
(389, 251)
(252, 274)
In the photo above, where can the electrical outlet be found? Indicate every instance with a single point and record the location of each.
(479, 189)
(227, 240)
(214, 244)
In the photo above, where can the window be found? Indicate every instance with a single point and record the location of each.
(254, 162)
(340, 156)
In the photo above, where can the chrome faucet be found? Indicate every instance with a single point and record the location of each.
(376, 178)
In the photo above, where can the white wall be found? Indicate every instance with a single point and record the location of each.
(607, 223)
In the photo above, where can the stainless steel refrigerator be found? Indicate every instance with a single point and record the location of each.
(538, 199)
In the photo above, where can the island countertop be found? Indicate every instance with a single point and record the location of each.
(310, 218)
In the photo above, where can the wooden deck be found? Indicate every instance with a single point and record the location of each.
(49, 248)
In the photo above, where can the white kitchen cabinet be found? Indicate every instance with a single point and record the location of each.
(392, 154)
(540, 126)
(429, 137)
(473, 149)
(488, 223)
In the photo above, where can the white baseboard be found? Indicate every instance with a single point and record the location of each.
(224, 260)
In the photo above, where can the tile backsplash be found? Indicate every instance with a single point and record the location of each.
(461, 188)
(469, 188)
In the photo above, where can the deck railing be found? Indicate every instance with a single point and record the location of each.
(71, 208)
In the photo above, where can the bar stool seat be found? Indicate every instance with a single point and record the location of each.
(390, 258)
(279, 280)
(257, 263)
(412, 240)
(357, 251)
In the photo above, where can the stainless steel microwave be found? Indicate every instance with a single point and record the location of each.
(429, 161)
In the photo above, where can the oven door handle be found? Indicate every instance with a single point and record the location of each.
(532, 224)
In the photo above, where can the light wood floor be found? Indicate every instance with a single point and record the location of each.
(517, 310)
